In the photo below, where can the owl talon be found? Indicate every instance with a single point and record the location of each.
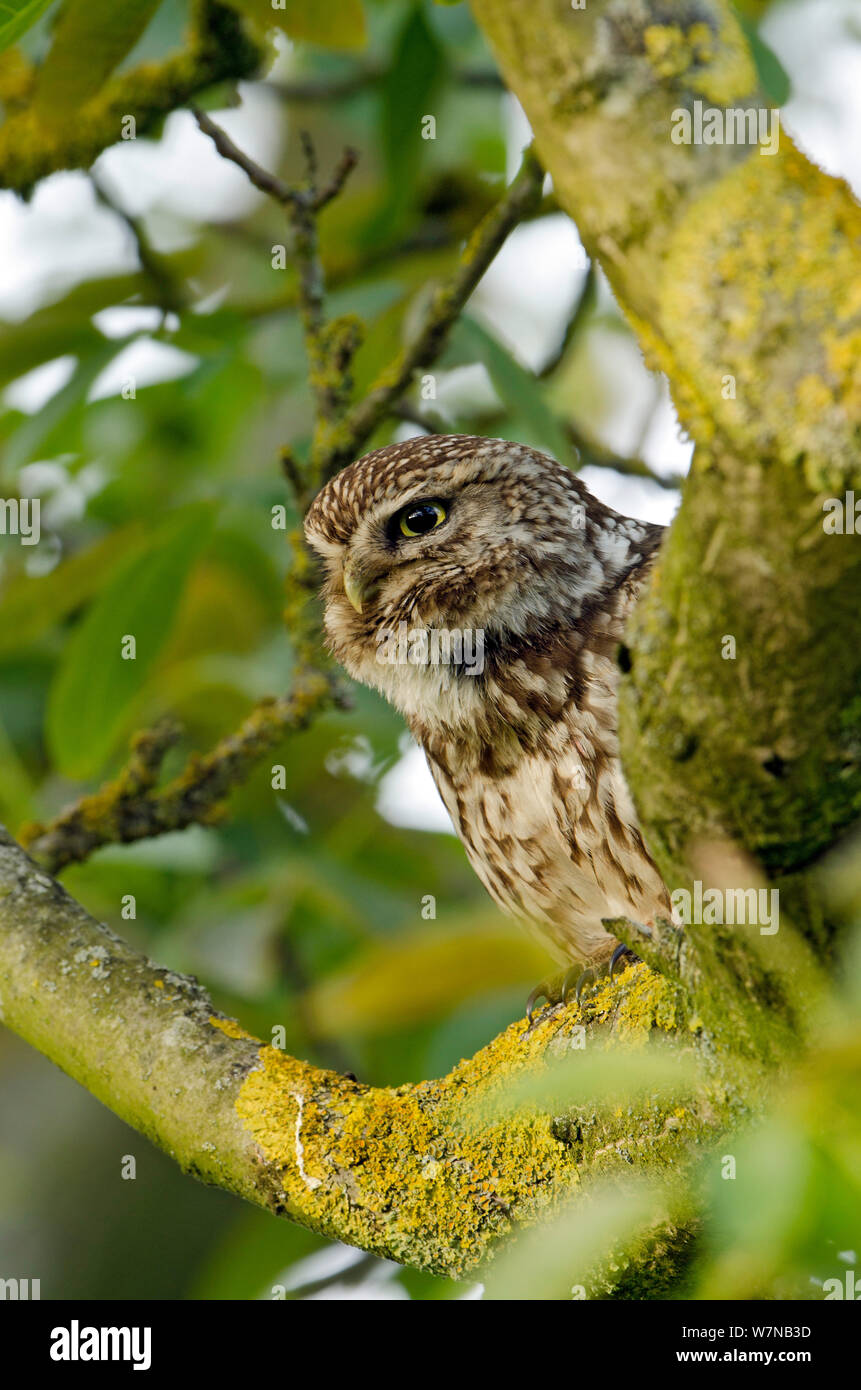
(553, 990)
(620, 953)
(579, 979)
(539, 992)
(574, 981)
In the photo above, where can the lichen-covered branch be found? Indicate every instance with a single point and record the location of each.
(218, 49)
(133, 808)
(739, 270)
(434, 1174)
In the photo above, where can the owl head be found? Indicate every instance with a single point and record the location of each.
(464, 535)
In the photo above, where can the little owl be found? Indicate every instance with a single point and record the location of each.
(502, 552)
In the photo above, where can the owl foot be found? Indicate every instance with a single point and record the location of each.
(559, 990)
(548, 990)
(578, 980)
(575, 980)
(581, 978)
(623, 953)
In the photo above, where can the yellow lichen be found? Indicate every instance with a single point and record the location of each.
(716, 64)
(229, 1026)
(441, 1169)
(736, 286)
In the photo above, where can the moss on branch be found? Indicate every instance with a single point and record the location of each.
(32, 147)
(428, 1174)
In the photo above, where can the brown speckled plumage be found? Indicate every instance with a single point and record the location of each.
(525, 754)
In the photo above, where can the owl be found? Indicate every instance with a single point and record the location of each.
(481, 588)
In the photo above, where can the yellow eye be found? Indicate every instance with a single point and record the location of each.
(420, 517)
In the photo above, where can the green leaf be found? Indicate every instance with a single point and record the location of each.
(35, 436)
(773, 76)
(16, 784)
(93, 693)
(91, 38)
(64, 326)
(415, 68)
(555, 1259)
(516, 387)
(17, 16)
(421, 976)
(32, 605)
(330, 23)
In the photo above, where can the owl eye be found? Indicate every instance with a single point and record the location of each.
(420, 517)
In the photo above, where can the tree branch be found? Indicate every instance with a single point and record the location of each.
(428, 340)
(433, 1174)
(219, 49)
(131, 808)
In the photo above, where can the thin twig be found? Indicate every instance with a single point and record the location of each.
(343, 169)
(168, 292)
(577, 318)
(267, 183)
(444, 308)
(130, 808)
(590, 453)
(330, 347)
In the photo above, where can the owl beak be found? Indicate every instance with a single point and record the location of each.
(358, 587)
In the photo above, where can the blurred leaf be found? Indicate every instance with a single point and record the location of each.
(603, 1079)
(332, 23)
(468, 1028)
(94, 689)
(30, 606)
(574, 1249)
(17, 16)
(415, 69)
(33, 437)
(90, 39)
(16, 785)
(754, 1210)
(773, 76)
(517, 388)
(63, 327)
(420, 977)
(251, 1256)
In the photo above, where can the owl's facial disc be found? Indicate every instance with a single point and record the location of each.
(405, 526)
(469, 537)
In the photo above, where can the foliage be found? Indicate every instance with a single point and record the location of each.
(302, 908)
